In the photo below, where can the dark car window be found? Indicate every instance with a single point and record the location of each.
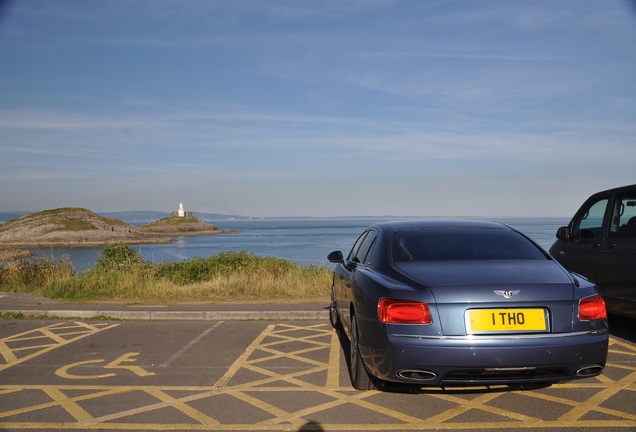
(433, 245)
(624, 216)
(356, 246)
(364, 254)
(589, 224)
(362, 246)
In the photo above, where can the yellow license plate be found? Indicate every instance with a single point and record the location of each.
(506, 320)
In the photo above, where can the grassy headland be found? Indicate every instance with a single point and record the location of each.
(73, 226)
(121, 275)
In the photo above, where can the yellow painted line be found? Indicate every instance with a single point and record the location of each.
(603, 424)
(621, 366)
(128, 358)
(51, 333)
(333, 373)
(68, 404)
(58, 401)
(166, 401)
(476, 403)
(222, 382)
(279, 413)
(63, 372)
(592, 403)
(7, 353)
(306, 376)
(291, 355)
(630, 349)
(184, 408)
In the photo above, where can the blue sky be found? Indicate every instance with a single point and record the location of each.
(316, 108)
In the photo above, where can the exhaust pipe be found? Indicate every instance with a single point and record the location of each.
(589, 371)
(416, 375)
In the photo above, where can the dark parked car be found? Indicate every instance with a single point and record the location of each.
(463, 302)
(600, 244)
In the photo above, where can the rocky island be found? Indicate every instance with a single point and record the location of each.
(72, 226)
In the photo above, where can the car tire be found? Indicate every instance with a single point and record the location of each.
(360, 378)
(334, 319)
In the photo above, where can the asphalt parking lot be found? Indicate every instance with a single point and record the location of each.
(262, 375)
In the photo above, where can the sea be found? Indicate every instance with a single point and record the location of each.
(303, 241)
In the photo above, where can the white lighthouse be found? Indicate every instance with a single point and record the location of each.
(181, 211)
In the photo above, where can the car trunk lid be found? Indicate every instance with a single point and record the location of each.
(512, 296)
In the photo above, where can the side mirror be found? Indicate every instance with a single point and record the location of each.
(563, 233)
(336, 257)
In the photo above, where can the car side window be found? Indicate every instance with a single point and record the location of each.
(364, 255)
(356, 246)
(590, 223)
(623, 222)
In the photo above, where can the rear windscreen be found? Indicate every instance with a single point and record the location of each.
(439, 244)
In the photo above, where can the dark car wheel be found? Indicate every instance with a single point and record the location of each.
(360, 378)
(334, 319)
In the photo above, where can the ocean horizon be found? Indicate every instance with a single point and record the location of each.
(306, 241)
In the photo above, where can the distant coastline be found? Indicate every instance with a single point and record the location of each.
(144, 217)
(72, 226)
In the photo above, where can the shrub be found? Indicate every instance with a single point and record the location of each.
(120, 274)
(119, 257)
(30, 274)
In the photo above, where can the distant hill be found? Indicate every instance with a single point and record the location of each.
(72, 226)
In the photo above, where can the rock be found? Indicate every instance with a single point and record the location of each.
(72, 227)
(81, 227)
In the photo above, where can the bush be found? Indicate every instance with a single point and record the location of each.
(222, 265)
(120, 274)
(30, 274)
(119, 257)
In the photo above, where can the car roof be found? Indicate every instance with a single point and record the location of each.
(400, 225)
(621, 189)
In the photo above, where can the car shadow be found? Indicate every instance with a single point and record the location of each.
(623, 327)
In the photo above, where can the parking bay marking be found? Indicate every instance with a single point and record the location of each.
(303, 361)
(189, 345)
(24, 346)
(118, 363)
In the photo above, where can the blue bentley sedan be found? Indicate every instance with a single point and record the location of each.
(463, 302)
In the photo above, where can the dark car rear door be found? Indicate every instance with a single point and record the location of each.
(617, 280)
(583, 254)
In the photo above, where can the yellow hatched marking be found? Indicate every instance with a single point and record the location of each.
(592, 403)
(477, 403)
(68, 404)
(312, 352)
(51, 337)
(7, 353)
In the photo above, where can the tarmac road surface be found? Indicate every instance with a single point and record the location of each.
(269, 375)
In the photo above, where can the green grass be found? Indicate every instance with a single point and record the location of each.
(172, 220)
(74, 224)
(121, 275)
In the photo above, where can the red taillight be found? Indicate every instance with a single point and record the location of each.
(403, 312)
(592, 308)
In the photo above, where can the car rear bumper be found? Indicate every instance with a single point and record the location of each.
(488, 360)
